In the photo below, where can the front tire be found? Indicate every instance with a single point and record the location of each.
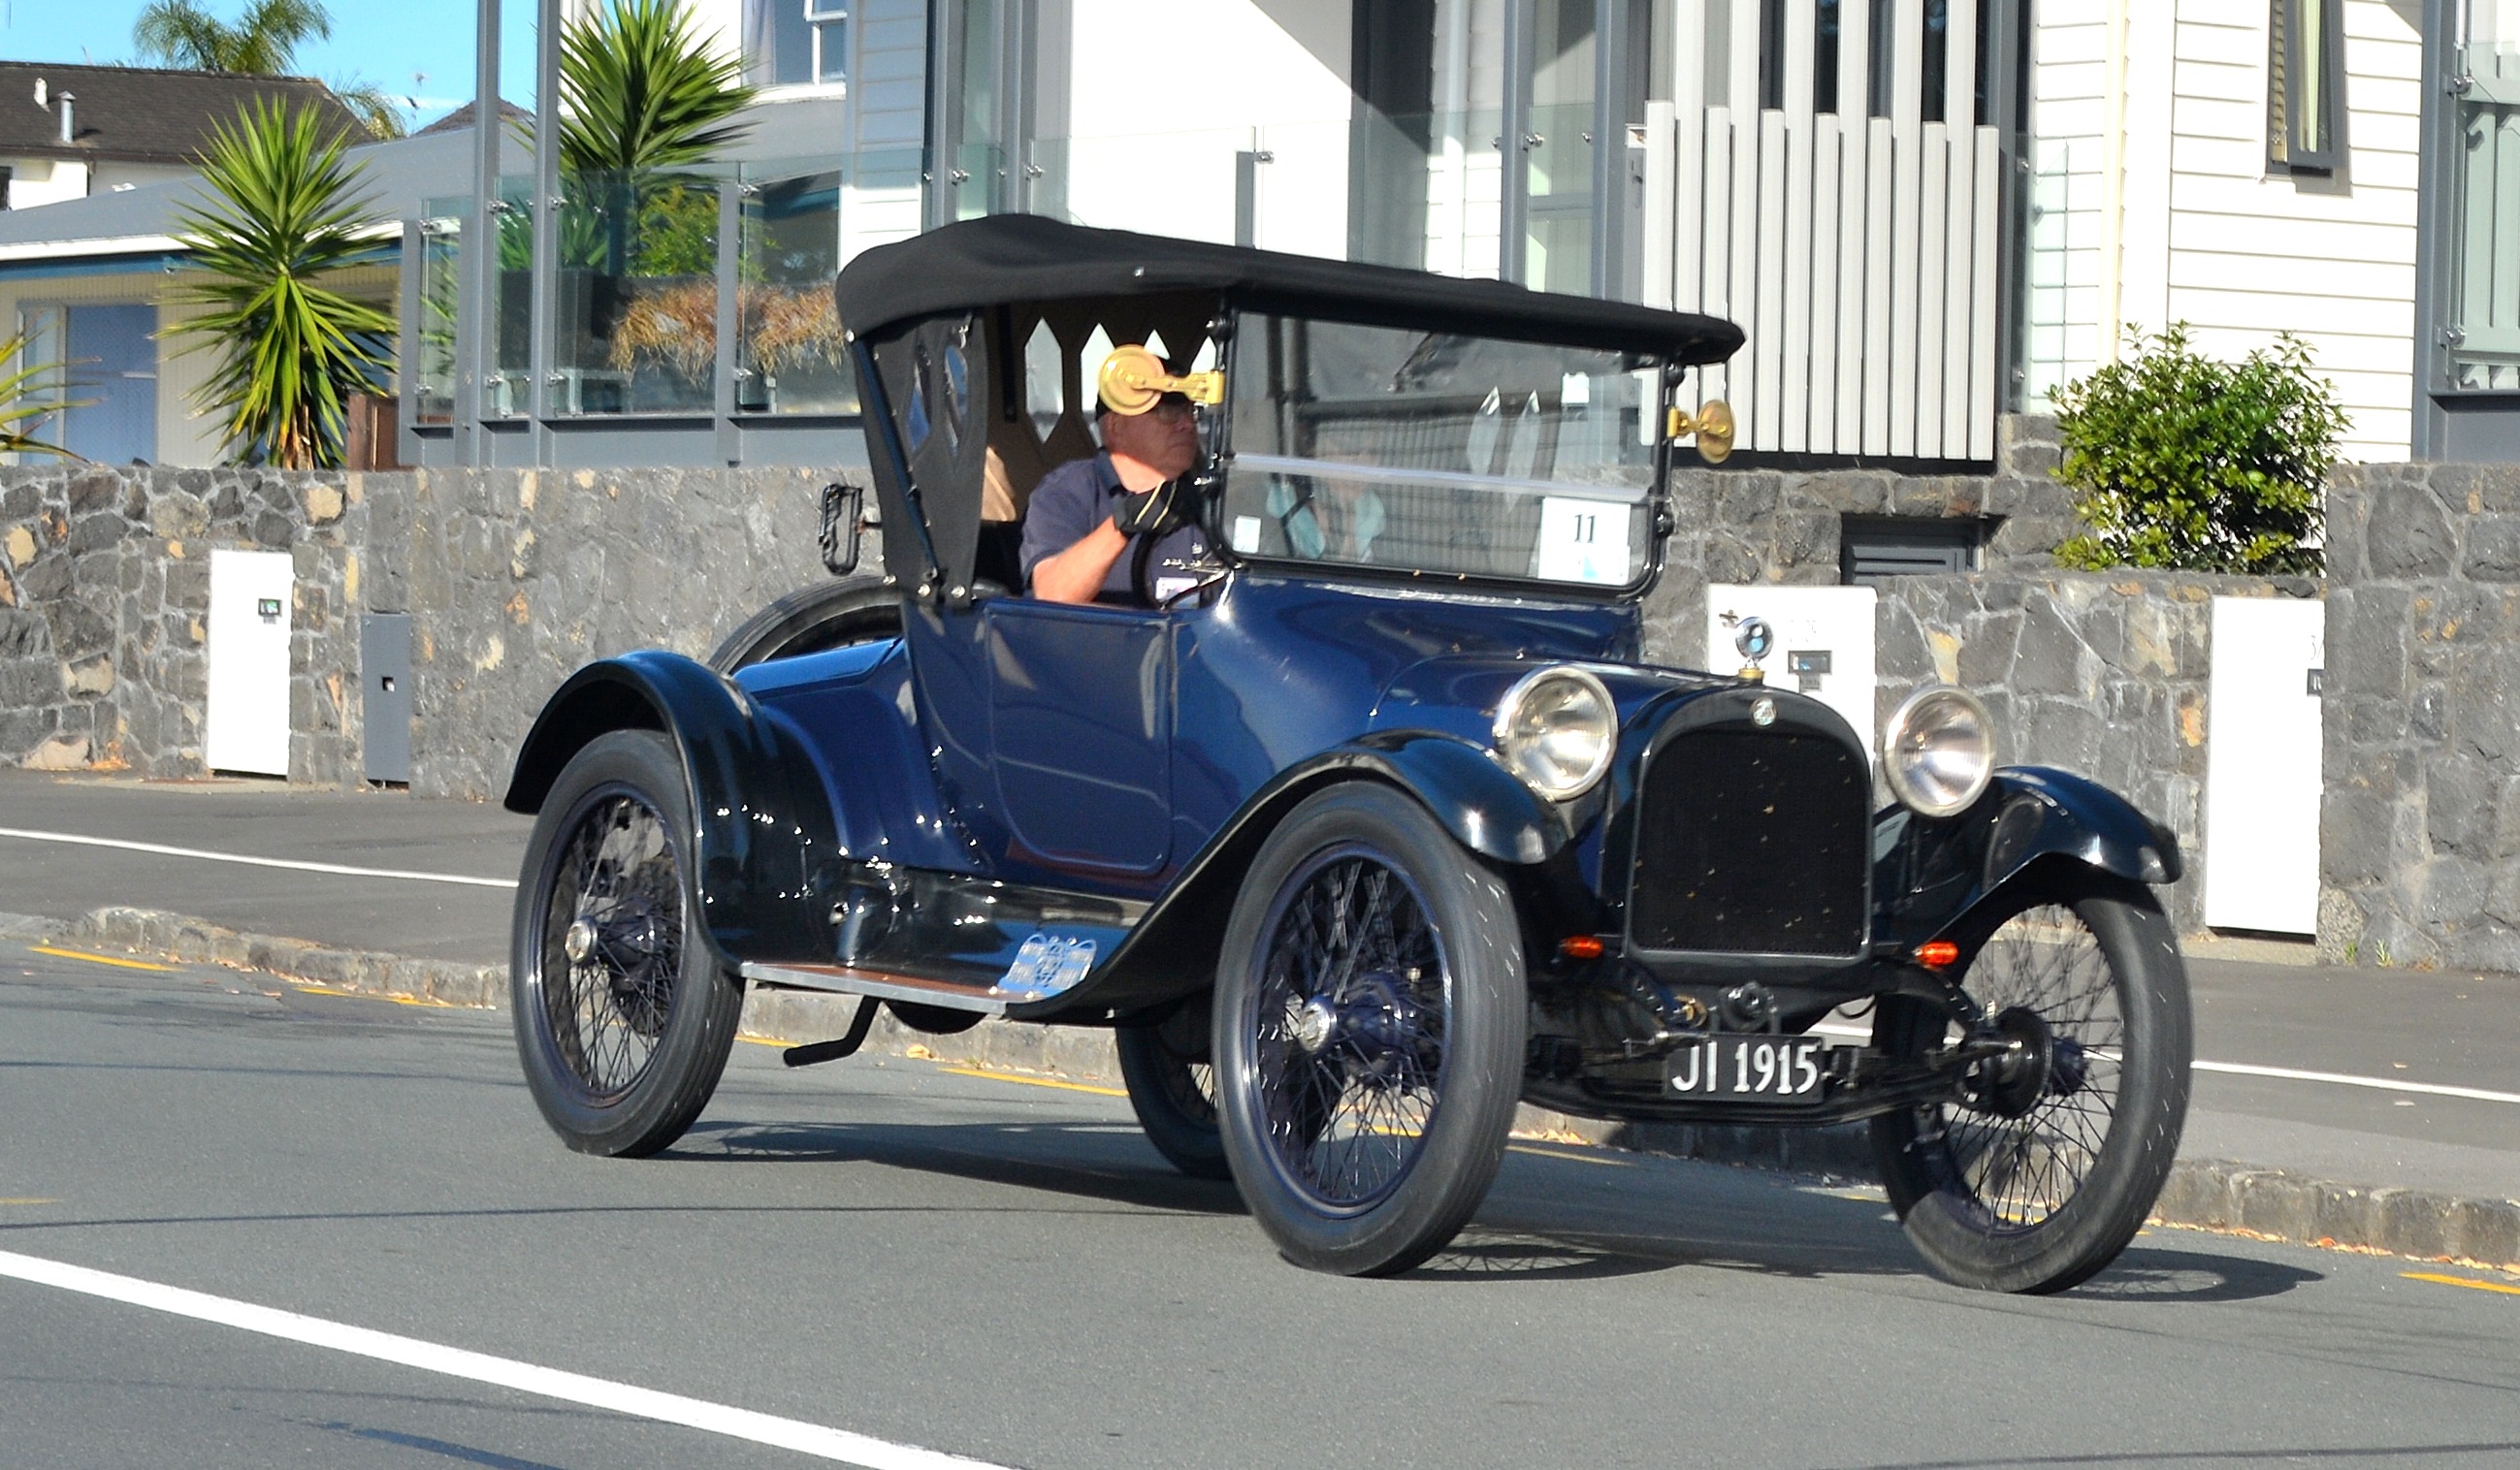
(1369, 1033)
(2043, 1175)
(624, 1019)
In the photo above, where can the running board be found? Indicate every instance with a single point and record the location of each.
(849, 980)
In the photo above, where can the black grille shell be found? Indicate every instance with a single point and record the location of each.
(1752, 842)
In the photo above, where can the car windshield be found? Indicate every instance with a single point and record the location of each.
(1435, 452)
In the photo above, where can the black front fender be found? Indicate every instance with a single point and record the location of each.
(1928, 873)
(762, 822)
(1172, 951)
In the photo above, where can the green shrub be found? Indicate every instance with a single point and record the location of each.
(2179, 461)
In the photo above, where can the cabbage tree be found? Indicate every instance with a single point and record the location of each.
(282, 216)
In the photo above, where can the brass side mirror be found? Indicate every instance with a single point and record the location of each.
(1711, 425)
(1133, 380)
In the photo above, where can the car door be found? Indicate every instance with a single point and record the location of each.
(1081, 716)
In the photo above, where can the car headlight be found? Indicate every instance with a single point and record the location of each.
(1938, 750)
(1556, 729)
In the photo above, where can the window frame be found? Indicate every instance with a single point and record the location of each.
(2284, 52)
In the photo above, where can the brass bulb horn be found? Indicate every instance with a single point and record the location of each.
(1711, 425)
(1132, 381)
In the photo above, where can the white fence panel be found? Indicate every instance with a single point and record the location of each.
(1857, 253)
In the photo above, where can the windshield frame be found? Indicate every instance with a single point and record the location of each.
(1655, 501)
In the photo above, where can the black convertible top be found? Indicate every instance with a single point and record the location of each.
(1008, 259)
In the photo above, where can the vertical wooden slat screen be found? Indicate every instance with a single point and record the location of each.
(1859, 254)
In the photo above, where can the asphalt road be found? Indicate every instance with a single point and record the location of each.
(1007, 1271)
(2455, 1029)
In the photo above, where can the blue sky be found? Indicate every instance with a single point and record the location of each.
(384, 41)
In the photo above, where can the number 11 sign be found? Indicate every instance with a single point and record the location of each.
(1583, 540)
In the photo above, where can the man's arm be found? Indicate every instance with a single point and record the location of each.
(1076, 574)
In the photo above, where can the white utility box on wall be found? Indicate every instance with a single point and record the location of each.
(247, 721)
(2262, 766)
(1823, 645)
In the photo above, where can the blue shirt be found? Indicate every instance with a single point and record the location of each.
(1079, 496)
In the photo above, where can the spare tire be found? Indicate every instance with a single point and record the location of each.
(812, 620)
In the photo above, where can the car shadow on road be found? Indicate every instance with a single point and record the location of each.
(1095, 1161)
(1554, 1214)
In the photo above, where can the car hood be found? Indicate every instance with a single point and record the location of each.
(1458, 694)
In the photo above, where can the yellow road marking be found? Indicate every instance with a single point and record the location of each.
(308, 988)
(1033, 1082)
(2470, 1282)
(1572, 1158)
(30, 1202)
(128, 965)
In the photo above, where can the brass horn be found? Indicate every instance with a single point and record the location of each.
(1711, 425)
(1133, 380)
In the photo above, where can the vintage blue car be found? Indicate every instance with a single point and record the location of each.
(1369, 824)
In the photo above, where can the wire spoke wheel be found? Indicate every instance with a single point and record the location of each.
(1352, 1004)
(2056, 1146)
(1369, 1022)
(623, 1016)
(613, 943)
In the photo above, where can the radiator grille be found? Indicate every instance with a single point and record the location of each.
(1752, 842)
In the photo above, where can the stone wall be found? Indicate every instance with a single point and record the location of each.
(514, 578)
(2419, 834)
(1742, 525)
(2099, 673)
(104, 606)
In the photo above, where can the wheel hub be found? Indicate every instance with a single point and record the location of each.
(1313, 1022)
(579, 943)
(2035, 1064)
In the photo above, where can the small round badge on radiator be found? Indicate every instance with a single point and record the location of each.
(1762, 711)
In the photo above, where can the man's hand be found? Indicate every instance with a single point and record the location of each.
(1149, 513)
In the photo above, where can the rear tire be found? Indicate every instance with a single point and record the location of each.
(812, 620)
(1369, 1032)
(2043, 1176)
(1172, 1086)
(623, 1016)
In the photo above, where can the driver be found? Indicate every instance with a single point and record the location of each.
(1091, 520)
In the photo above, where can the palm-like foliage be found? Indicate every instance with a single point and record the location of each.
(262, 42)
(183, 33)
(282, 216)
(29, 393)
(639, 91)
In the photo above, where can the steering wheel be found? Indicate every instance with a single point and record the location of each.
(1206, 573)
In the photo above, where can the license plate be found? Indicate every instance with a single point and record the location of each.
(1749, 1069)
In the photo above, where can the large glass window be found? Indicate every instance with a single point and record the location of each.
(2482, 335)
(1433, 451)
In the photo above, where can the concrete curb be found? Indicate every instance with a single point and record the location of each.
(2217, 1194)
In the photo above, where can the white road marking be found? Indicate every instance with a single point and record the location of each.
(480, 1368)
(2347, 1080)
(404, 874)
(2283, 1074)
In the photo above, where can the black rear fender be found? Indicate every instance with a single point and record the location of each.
(762, 820)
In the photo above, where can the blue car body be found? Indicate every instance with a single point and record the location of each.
(1044, 811)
